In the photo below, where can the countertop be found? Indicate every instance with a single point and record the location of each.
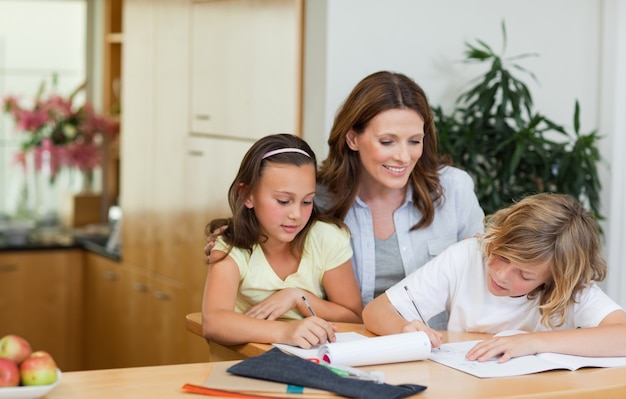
(59, 240)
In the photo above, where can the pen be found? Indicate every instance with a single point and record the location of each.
(308, 306)
(406, 288)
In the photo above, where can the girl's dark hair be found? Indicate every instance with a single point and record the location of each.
(244, 230)
(341, 171)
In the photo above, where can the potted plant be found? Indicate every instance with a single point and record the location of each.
(510, 149)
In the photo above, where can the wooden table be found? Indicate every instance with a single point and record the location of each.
(165, 382)
(220, 352)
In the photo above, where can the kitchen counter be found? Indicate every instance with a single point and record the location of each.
(60, 240)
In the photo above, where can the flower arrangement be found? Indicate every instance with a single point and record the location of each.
(60, 134)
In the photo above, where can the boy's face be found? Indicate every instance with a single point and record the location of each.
(508, 278)
(283, 200)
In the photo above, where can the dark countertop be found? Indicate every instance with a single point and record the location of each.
(93, 243)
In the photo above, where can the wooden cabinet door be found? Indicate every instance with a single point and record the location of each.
(154, 128)
(106, 313)
(246, 67)
(157, 333)
(41, 300)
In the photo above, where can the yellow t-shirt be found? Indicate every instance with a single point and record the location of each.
(326, 247)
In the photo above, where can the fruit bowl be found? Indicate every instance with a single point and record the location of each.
(30, 392)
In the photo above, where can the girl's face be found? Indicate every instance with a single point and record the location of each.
(507, 278)
(389, 147)
(283, 200)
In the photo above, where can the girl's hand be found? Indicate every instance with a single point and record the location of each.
(276, 304)
(504, 347)
(309, 332)
(436, 338)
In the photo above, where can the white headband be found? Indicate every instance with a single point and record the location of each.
(282, 150)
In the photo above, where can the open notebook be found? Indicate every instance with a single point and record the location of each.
(353, 349)
(453, 355)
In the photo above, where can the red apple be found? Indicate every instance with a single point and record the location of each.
(9, 373)
(38, 369)
(15, 348)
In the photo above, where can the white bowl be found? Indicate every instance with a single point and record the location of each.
(30, 392)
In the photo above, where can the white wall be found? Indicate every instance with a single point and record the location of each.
(577, 42)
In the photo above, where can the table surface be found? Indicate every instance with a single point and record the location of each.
(442, 382)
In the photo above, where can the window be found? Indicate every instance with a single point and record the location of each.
(39, 39)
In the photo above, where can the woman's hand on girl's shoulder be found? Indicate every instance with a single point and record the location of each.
(210, 242)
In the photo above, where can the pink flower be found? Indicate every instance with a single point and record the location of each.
(59, 134)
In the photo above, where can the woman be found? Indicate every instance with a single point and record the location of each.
(403, 203)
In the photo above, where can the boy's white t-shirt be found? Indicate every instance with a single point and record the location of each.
(456, 281)
(326, 247)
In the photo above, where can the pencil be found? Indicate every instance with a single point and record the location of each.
(308, 306)
(406, 288)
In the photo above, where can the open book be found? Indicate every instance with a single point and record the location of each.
(453, 355)
(352, 349)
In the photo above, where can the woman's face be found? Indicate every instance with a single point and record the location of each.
(389, 147)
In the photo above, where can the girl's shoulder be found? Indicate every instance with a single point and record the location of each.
(325, 229)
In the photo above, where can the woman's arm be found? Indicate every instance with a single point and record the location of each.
(607, 339)
(222, 324)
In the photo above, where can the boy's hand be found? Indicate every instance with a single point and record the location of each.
(503, 348)
(436, 338)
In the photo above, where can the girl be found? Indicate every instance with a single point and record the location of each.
(277, 259)
(535, 269)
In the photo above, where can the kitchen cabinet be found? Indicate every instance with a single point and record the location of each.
(246, 64)
(135, 318)
(154, 128)
(106, 320)
(41, 300)
(175, 173)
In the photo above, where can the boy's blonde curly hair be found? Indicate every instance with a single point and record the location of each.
(554, 229)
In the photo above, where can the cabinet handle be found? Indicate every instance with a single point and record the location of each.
(196, 153)
(109, 275)
(10, 267)
(202, 117)
(164, 296)
(141, 287)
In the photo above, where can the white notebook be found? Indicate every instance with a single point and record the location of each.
(453, 355)
(352, 349)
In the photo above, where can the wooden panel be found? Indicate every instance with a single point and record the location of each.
(246, 67)
(138, 133)
(41, 301)
(106, 313)
(154, 130)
